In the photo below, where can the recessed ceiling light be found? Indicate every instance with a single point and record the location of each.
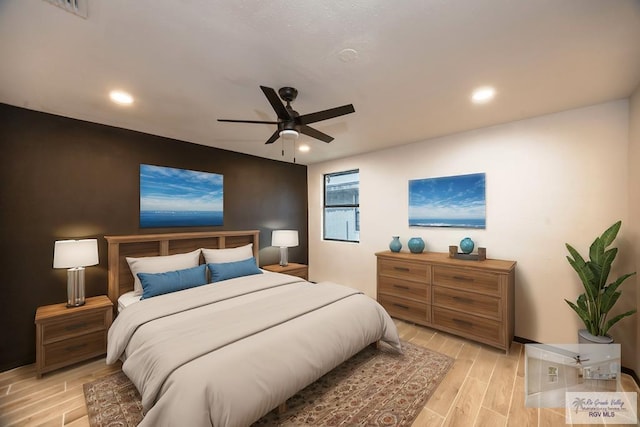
(483, 95)
(304, 148)
(121, 97)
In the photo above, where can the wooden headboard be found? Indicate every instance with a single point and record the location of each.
(143, 245)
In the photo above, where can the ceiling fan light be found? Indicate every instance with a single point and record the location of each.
(289, 134)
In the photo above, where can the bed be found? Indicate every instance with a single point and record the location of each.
(228, 352)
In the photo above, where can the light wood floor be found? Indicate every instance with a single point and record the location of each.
(484, 387)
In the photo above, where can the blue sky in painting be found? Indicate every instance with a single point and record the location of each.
(454, 197)
(170, 189)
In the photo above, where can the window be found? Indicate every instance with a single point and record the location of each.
(342, 206)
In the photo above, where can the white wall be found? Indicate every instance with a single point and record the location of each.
(634, 204)
(550, 180)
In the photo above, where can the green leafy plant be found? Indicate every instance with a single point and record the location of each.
(594, 304)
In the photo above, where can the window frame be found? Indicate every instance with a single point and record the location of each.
(355, 206)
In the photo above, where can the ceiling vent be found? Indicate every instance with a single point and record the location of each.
(77, 7)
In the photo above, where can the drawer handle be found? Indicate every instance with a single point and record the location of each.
(401, 287)
(76, 347)
(462, 322)
(76, 326)
(463, 299)
(401, 268)
(404, 307)
(464, 278)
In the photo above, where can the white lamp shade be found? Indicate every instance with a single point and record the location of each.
(284, 238)
(75, 253)
(289, 134)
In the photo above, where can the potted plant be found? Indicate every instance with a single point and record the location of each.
(594, 304)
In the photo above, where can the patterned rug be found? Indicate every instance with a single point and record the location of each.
(376, 387)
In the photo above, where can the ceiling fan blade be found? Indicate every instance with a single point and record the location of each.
(309, 131)
(273, 137)
(275, 102)
(247, 121)
(305, 119)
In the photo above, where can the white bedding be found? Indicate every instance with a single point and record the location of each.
(127, 299)
(226, 354)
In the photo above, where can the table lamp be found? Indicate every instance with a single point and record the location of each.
(75, 255)
(284, 239)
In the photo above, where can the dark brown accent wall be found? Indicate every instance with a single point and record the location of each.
(62, 178)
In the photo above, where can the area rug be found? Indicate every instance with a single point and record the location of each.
(376, 387)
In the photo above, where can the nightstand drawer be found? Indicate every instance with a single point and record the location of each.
(404, 288)
(56, 330)
(477, 328)
(472, 280)
(73, 350)
(404, 270)
(406, 309)
(480, 304)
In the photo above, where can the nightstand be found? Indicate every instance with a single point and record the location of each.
(292, 269)
(65, 336)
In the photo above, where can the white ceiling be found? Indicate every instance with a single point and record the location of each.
(190, 62)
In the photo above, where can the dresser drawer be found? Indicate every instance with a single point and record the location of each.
(55, 330)
(480, 304)
(406, 309)
(62, 353)
(473, 280)
(404, 270)
(404, 288)
(479, 328)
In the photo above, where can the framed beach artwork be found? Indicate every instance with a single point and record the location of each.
(172, 197)
(450, 201)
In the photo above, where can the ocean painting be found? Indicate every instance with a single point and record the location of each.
(172, 197)
(451, 201)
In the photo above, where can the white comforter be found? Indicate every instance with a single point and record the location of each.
(228, 353)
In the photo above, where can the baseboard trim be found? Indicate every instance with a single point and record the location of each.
(623, 369)
(525, 340)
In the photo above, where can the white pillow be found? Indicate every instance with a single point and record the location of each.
(218, 256)
(161, 264)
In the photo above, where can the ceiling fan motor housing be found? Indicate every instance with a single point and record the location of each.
(287, 125)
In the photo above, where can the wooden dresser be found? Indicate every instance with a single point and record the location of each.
(69, 335)
(472, 299)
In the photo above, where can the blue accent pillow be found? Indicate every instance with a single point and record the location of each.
(229, 270)
(154, 284)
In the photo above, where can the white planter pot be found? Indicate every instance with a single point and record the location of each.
(584, 337)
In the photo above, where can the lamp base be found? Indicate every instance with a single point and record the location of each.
(284, 256)
(75, 287)
(76, 305)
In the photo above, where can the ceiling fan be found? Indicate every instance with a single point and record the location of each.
(578, 360)
(290, 123)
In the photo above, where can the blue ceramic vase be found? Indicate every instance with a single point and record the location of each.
(416, 245)
(395, 244)
(466, 245)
